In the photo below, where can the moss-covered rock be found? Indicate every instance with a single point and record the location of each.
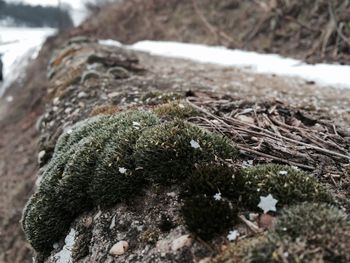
(286, 184)
(108, 159)
(307, 233)
(170, 151)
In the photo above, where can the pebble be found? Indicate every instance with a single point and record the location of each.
(68, 110)
(205, 260)
(183, 241)
(56, 101)
(266, 221)
(119, 248)
(82, 94)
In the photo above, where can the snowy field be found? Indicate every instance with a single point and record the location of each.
(19, 46)
(337, 76)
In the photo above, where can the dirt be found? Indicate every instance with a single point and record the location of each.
(18, 151)
(315, 31)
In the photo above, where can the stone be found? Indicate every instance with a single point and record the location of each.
(82, 94)
(119, 248)
(183, 241)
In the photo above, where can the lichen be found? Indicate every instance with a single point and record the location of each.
(286, 184)
(309, 232)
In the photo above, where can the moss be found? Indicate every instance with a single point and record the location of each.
(288, 188)
(82, 239)
(175, 109)
(150, 236)
(157, 97)
(238, 252)
(304, 233)
(166, 155)
(207, 217)
(43, 221)
(109, 159)
(165, 224)
(211, 178)
(104, 110)
(65, 190)
(117, 154)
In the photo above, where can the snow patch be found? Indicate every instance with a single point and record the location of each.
(323, 74)
(19, 46)
(65, 255)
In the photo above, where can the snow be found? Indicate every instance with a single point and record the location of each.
(233, 234)
(268, 203)
(323, 74)
(19, 46)
(65, 255)
(217, 196)
(194, 144)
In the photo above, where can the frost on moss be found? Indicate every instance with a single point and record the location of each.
(108, 159)
(166, 154)
(308, 232)
(287, 184)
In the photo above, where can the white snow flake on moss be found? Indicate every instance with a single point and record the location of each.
(122, 170)
(267, 203)
(194, 144)
(232, 235)
(217, 196)
(282, 172)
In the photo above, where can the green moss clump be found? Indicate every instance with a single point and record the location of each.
(285, 183)
(207, 217)
(304, 233)
(211, 178)
(175, 109)
(108, 159)
(118, 154)
(69, 185)
(166, 154)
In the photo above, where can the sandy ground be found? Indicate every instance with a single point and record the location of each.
(19, 136)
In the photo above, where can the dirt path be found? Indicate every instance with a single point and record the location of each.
(19, 137)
